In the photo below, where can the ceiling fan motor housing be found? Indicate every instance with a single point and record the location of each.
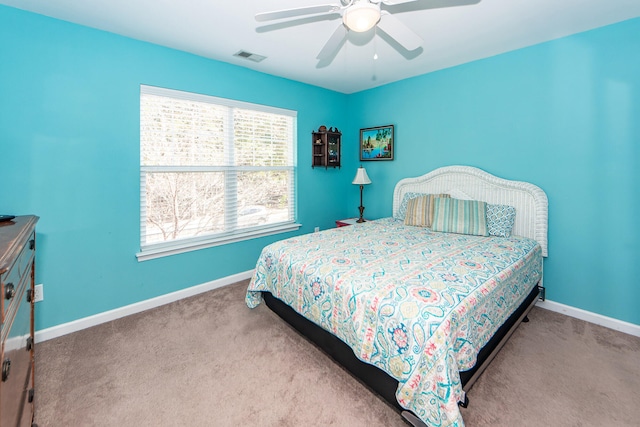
(361, 16)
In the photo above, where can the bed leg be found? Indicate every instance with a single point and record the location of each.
(525, 319)
(465, 400)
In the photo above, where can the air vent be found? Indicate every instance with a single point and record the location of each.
(250, 56)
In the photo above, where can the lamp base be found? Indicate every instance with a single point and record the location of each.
(361, 208)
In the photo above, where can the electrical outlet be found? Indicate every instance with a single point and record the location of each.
(316, 229)
(38, 293)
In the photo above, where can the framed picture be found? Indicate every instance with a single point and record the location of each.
(377, 143)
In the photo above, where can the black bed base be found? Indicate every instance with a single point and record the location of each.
(378, 380)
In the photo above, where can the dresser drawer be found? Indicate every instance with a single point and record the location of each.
(14, 279)
(17, 369)
(17, 259)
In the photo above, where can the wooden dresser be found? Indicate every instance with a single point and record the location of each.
(17, 262)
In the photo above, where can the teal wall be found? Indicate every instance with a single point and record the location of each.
(564, 115)
(69, 136)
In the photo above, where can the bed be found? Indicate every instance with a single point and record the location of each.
(416, 312)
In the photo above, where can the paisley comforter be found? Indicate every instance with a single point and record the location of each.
(415, 303)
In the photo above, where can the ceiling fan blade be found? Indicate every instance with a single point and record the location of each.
(401, 6)
(394, 2)
(399, 32)
(299, 11)
(333, 44)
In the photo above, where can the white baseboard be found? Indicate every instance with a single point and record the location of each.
(588, 316)
(107, 316)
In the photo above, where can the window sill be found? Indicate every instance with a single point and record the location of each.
(173, 248)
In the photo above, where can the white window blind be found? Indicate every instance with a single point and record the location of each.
(212, 171)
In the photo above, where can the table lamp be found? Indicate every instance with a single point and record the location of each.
(361, 179)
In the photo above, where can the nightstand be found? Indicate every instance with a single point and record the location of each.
(345, 222)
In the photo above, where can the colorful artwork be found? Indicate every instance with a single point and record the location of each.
(377, 143)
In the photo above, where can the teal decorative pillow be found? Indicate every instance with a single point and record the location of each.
(460, 216)
(500, 220)
(402, 210)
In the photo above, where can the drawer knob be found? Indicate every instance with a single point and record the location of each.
(6, 367)
(9, 291)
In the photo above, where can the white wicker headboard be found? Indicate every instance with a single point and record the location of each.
(466, 182)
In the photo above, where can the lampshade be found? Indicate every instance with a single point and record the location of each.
(362, 16)
(361, 177)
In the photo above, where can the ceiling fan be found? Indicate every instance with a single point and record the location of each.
(358, 16)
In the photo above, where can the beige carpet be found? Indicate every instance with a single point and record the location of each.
(210, 361)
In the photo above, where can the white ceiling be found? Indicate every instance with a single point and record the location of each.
(452, 35)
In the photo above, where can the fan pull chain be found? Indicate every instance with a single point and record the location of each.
(374, 77)
(375, 43)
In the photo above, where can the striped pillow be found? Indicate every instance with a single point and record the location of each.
(402, 210)
(460, 216)
(420, 210)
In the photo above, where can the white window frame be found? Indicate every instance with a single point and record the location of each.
(172, 247)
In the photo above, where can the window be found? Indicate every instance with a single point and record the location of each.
(212, 171)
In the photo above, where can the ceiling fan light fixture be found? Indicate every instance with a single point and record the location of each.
(362, 16)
